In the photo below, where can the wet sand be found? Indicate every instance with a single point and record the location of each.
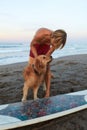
(70, 75)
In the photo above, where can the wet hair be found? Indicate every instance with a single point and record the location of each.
(59, 36)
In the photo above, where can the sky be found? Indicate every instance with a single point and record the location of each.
(20, 19)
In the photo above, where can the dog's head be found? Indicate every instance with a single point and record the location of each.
(41, 63)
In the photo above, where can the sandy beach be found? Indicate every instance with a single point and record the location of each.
(70, 75)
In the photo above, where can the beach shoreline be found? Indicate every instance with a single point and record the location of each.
(70, 75)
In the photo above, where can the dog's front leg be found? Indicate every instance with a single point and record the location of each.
(44, 86)
(35, 90)
(25, 92)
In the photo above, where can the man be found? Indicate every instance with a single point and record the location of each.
(45, 42)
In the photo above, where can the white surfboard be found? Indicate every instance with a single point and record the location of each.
(16, 115)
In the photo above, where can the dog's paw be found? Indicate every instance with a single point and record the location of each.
(23, 100)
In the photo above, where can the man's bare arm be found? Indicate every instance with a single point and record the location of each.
(33, 49)
(52, 49)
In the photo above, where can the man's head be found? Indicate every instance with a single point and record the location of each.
(58, 39)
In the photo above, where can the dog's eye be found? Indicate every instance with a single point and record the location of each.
(44, 57)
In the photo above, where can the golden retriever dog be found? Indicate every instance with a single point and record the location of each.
(34, 75)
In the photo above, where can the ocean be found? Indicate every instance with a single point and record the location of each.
(19, 52)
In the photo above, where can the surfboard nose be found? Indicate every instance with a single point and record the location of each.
(85, 98)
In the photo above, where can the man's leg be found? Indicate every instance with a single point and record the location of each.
(48, 81)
